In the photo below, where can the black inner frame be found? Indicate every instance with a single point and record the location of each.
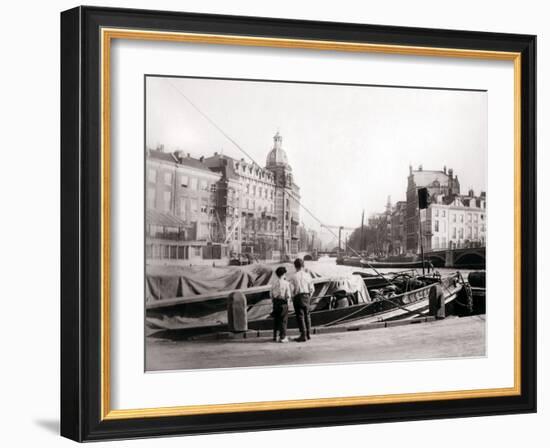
(81, 223)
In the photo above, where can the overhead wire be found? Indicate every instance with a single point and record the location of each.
(289, 191)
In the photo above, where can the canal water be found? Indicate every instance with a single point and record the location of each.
(327, 265)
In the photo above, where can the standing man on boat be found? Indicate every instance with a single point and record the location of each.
(302, 289)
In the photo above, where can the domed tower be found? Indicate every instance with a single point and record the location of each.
(287, 196)
(276, 158)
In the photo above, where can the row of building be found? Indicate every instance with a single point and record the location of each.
(212, 207)
(452, 220)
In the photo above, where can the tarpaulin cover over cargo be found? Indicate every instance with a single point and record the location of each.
(201, 292)
(165, 282)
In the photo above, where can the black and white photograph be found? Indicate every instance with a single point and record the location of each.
(296, 223)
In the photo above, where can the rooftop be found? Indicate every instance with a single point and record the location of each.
(179, 158)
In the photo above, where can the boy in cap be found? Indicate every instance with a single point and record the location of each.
(280, 295)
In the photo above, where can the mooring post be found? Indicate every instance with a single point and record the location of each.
(237, 319)
(437, 301)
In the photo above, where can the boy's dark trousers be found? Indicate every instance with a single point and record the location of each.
(280, 317)
(301, 308)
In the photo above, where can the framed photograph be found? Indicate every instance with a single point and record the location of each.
(273, 223)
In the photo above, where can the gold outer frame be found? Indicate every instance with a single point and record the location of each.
(107, 35)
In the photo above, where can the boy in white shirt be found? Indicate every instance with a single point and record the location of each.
(280, 295)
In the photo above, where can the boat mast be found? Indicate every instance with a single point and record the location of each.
(361, 241)
(422, 204)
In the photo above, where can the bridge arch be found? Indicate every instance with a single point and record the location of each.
(306, 256)
(437, 259)
(470, 260)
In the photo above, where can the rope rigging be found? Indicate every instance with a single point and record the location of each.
(287, 190)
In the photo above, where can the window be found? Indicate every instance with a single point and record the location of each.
(204, 185)
(183, 206)
(482, 216)
(152, 175)
(470, 217)
(469, 233)
(461, 233)
(151, 193)
(454, 218)
(193, 183)
(454, 232)
(156, 251)
(204, 209)
(436, 212)
(214, 188)
(461, 218)
(184, 180)
(475, 218)
(173, 252)
(167, 199)
(168, 178)
(194, 206)
(181, 253)
(443, 213)
(436, 225)
(436, 242)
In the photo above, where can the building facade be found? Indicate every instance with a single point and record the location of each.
(398, 228)
(181, 225)
(380, 225)
(437, 183)
(451, 221)
(219, 206)
(456, 222)
(260, 213)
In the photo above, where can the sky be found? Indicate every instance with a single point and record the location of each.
(349, 146)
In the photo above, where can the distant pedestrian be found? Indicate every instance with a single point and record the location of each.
(280, 295)
(302, 289)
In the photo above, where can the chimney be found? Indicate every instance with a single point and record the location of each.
(216, 153)
(471, 192)
(445, 169)
(201, 159)
(188, 155)
(420, 167)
